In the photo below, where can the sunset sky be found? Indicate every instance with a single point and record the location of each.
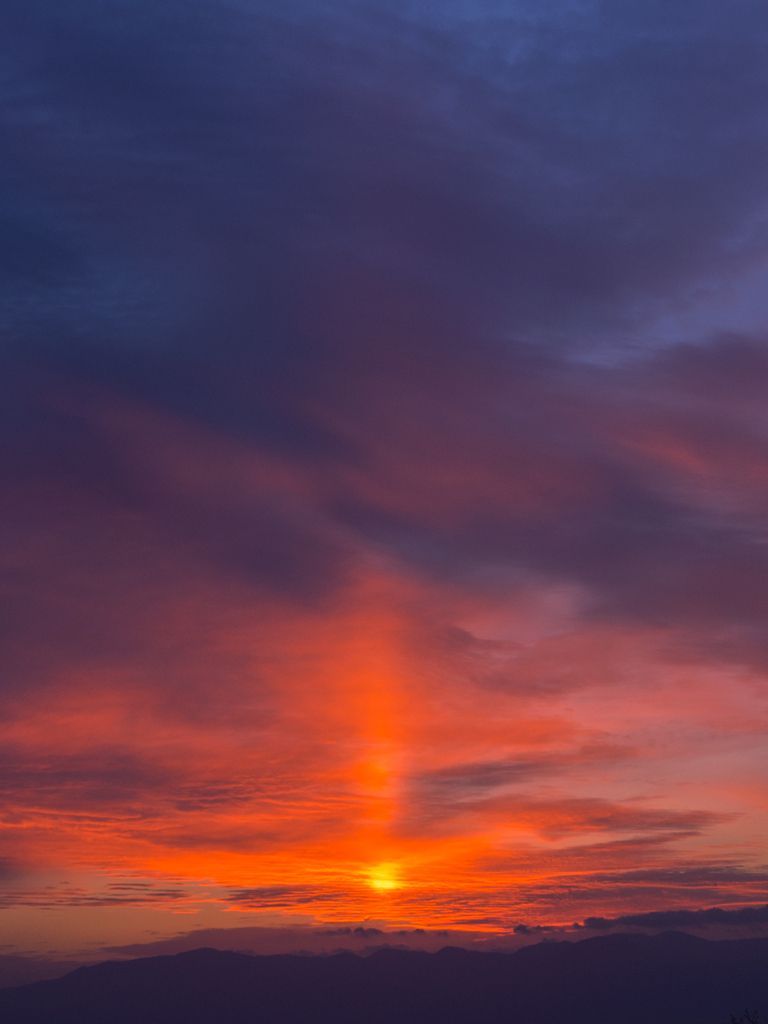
(384, 512)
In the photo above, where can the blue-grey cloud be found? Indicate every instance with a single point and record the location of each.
(682, 918)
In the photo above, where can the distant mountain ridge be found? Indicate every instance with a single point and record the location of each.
(672, 978)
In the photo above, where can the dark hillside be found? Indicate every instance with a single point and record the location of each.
(617, 979)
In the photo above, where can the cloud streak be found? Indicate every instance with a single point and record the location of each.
(683, 918)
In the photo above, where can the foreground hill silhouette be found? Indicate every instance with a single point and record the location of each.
(618, 979)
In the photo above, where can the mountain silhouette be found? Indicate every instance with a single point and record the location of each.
(672, 978)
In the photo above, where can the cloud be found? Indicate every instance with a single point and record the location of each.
(9, 869)
(475, 778)
(384, 457)
(284, 896)
(682, 918)
(102, 775)
(116, 894)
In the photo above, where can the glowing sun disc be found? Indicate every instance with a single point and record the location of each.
(383, 878)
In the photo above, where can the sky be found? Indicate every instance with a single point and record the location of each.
(385, 472)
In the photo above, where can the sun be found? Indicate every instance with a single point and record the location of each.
(384, 877)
